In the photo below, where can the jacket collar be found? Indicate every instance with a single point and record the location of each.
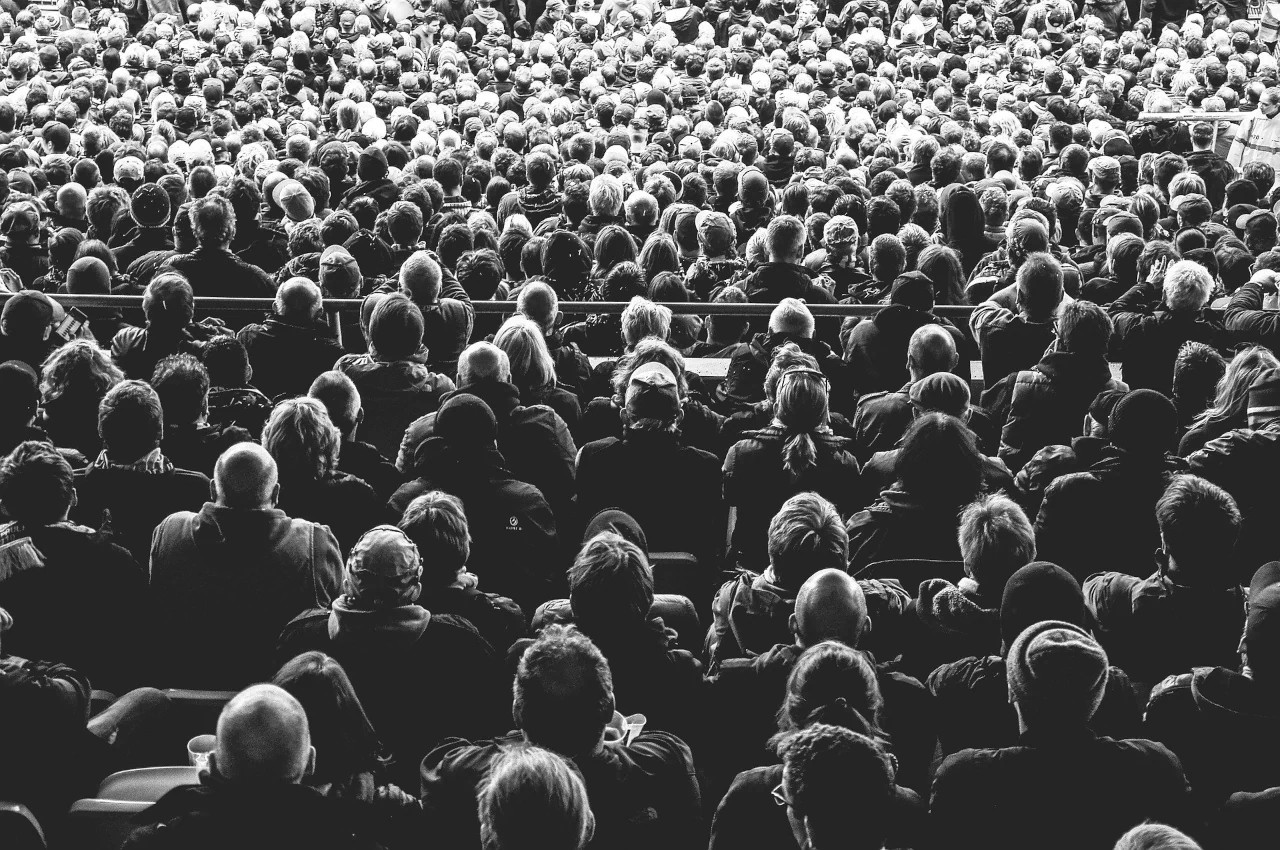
(403, 624)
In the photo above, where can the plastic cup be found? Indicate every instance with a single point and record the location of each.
(198, 750)
(616, 731)
(634, 726)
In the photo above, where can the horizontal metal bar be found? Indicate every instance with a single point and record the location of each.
(1193, 116)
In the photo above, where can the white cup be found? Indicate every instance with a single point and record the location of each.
(198, 750)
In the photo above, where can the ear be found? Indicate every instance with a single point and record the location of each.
(311, 762)
(793, 624)
(275, 494)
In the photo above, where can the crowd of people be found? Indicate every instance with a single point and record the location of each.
(521, 577)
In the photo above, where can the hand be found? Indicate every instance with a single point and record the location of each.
(1156, 275)
(1266, 280)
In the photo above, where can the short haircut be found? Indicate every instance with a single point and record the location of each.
(643, 318)
(1200, 524)
(606, 196)
(888, 257)
(841, 783)
(996, 540)
(437, 525)
(396, 328)
(169, 300)
(563, 692)
(182, 383)
(1155, 836)
(1085, 328)
(130, 421)
(1187, 286)
(340, 397)
(1040, 286)
(786, 236)
(610, 582)
(36, 484)
(227, 361)
(213, 220)
(303, 440)
(791, 316)
(534, 799)
(806, 535)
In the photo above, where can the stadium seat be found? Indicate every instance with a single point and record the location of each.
(146, 784)
(677, 572)
(911, 571)
(677, 612)
(19, 829)
(99, 824)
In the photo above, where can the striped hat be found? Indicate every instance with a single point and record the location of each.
(1264, 396)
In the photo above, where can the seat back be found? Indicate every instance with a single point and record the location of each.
(100, 824)
(146, 784)
(19, 829)
(677, 612)
(676, 572)
(911, 571)
(191, 712)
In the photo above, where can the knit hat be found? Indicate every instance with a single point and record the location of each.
(372, 164)
(149, 206)
(942, 392)
(1037, 592)
(753, 187)
(914, 290)
(89, 276)
(19, 386)
(386, 551)
(620, 523)
(1264, 396)
(1143, 421)
(465, 419)
(297, 203)
(1262, 620)
(1057, 670)
(339, 271)
(653, 393)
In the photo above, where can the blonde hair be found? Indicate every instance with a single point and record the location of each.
(534, 799)
(79, 364)
(531, 365)
(302, 439)
(801, 408)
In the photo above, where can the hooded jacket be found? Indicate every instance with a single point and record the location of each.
(394, 394)
(1048, 403)
(242, 574)
(1150, 336)
(902, 525)
(1245, 463)
(1223, 726)
(286, 356)
(874, 348)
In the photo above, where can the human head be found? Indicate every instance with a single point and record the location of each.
(538, 302)
(939, 461)
(1199, 525)
(534, 800)
(931, 349)
(1040, 287)
(303, 441)
(483, 361)
(1187, 286)
(836, 784)
(1155, 836)
(643, 318)
(786, 239)
(245, 477)
(79, 365)
(563, 692)
(806, 535)
(299, 300)
(130, 421)
(339, 727)
(37, 487)
(182, 383)
(610, 584)
(532, 368)
(437, 525)
(996, 540)
(396, 328)
(1084, 328)
(341, 400)
(830, 605)
(213, 221)
(791, 317)
(168, 301)
(263, 738)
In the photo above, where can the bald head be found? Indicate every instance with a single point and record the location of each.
(930, 350)
(830, 606)
(340, 397)
(245, 477)
(483, 361)
(263, 737)
(538, 303)
(420, 278)
(299, 299)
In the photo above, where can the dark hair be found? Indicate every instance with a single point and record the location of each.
(437, 525)
(610, 583)
(939, 462)
(563, 692)
(130, 421)
(835, 684)
(1199, 523)
(396, 328)
(36, 484)
(182, 383)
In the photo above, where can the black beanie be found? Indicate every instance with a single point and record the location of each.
(1143, 421)
(465, 419)
(1037, 592)
(372, 164)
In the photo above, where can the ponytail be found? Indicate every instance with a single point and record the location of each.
(799, 454)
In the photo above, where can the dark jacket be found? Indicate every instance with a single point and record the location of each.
(218, 814)
(143, 242)
(393, 394)
(1104, 518)
(643, 795)
(1154, 628)
(218, 272)
(673, 491)
(260, 245)
(1246, 321)
(1008, 342)
(363, 461)
(75, 596)
(401, 660)
(1245, 820)
(513, 530)
(1245, 462)
(744, 379)
(382, 190)
(1071, 791)
(346, 505)
(876, 348)
(498, 619)
(71, 420)
(286, 357)
(1048, 403)
(699, 428)
(138, 350)
(131, 500)
(878, 474)
(1216, 173)
(198, 447)
(534, 440)
(973, 710)
(902, 525)
(573, 368)
(756, 484)
(947, 622)
(244, 574)
(772, 282)
(1150, 336)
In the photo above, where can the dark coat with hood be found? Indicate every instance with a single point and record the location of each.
(243, 573)
(1047, 403)
(513, 530)
(1246, 462)
(287, 356)
(902, 525)
(1225, 728)
(772, 282)
(1216, 173)
(743, 382)
(345, 504)
(1150, 336)
(876, 348)
(1113, 501)
(756, 483)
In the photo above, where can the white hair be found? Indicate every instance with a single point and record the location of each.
(791, 316)
(1187, 286)
(605, 196)
(643, 318)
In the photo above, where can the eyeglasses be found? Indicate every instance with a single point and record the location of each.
(780, 797)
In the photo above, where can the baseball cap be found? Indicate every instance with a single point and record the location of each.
(27, 309)
(840, 230)
(386, 551)
(653, 393)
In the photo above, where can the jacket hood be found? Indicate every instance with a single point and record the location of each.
(957, 609)
(1232, 696)
(900, 319)
(399, 626)
(1073, 368)
(503, 398)
(217, 797)
(240, 527)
